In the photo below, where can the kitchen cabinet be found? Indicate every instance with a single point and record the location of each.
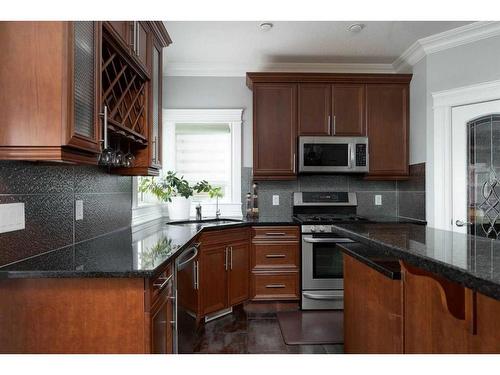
(314, 109)
(213, 278)
(388, 130)
(50, 81)
(239, 272)
(224, 270)
(162, 316)
(275, 131)
(275, 263)
(326, 109)
(123, 31)
(348, 110)
(288, 105)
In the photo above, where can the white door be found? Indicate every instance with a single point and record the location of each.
(475, 167)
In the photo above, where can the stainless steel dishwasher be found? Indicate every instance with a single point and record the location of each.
(187, 284)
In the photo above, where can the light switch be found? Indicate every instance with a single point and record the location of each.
(11, 217)
(276, 200)
(79, 210)
(378, 200)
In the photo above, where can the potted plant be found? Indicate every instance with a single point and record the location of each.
(177, 193)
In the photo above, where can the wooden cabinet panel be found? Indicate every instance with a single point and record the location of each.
(314, 114)
(213, 279)
(142, 42)
(275, 255)
(373, 309)
(348, 109)
(387, 124)
(238, 277)
(161, 324)
(275, 130)
(275, 286)
(434, 313)
(276, 233)
(123, 30)
(485, 310)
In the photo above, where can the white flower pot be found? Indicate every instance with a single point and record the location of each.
(179, 208)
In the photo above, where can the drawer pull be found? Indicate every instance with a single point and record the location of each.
(276, 234)
(275, 256)
(163, 283)
(275, 286)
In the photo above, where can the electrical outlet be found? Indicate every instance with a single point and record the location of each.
(11, 217)
(79, 210)
(378, 200)
(276, 200)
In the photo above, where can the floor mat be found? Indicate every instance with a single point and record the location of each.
(312, 327)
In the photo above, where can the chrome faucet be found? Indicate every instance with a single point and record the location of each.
(198, 212)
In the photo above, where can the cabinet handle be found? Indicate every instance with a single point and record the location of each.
(276, 234)
(231, 257)
(330, 125)
(294, 162)
(275, 256)
(154, 149)
(160, 286)
(225, 258)
(105, 127)
(275, 286)
(334, 123)
(196, 281)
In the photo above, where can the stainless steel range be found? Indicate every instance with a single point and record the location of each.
(322, 268)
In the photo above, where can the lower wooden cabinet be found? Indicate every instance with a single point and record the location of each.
(224, 270)
(162, 321)
(373, 310)
(275, 263)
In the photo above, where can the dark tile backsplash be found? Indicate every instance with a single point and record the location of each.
(405, 198)
(49, 192)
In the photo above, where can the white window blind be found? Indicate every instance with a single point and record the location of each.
(203, 152)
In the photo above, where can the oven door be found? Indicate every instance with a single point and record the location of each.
(322, 262)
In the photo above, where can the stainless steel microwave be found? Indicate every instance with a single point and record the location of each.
(331, 154)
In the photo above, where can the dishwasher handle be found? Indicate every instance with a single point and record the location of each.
(181, 263)
(326, 240)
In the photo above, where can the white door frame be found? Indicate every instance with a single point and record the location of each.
(438, 188)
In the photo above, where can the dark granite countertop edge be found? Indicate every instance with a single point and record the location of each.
(33, 274)
(365, 259)
(485, 286)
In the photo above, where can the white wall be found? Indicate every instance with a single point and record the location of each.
(212, 92)
(418, 112)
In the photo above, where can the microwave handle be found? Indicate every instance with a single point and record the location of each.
(349, 156)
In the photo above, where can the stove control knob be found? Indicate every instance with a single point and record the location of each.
(321, 228)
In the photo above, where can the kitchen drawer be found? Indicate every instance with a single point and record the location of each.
(276, 233)
(225, 236)
(275, 286)
(161, 282)
(275, 255)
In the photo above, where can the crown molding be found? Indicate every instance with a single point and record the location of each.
(448, 39)
(234, 70)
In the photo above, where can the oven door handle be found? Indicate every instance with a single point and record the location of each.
(326, 240)
(322, 296)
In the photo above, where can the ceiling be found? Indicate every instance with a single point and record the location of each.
(243, 43)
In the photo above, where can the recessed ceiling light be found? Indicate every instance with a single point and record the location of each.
(355, 27)
(266, 26)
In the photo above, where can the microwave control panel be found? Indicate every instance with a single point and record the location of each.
(360, 155)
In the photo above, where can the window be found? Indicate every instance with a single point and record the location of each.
(199, 144)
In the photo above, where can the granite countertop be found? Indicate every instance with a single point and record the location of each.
(140, 251)
(468, 260)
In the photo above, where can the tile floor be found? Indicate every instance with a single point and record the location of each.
(245, 332)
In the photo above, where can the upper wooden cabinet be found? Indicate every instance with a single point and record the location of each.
(326, 109)
(314, 116)
(49, 98)
(288, 105)
(58, 77)
(387, 122)
(348, 110)
(275, 131)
